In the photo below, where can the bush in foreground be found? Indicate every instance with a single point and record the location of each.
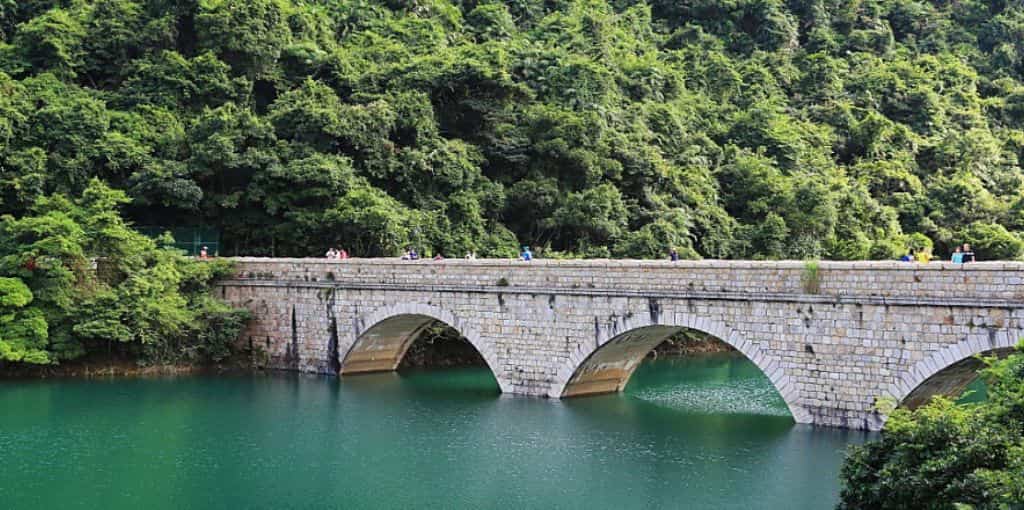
(947, 455)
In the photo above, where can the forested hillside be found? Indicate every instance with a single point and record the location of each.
(727, 128)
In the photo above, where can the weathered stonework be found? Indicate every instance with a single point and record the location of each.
(564, 328)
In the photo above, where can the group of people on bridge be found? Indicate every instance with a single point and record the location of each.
(961, 255)
(412, 254)
(336, 254)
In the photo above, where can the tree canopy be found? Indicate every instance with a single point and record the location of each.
(724, 128)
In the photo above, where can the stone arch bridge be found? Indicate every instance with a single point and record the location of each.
(832, 343)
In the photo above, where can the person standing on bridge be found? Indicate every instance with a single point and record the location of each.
(968, 254)
(673, 255)
(526, 255)
(958, 256)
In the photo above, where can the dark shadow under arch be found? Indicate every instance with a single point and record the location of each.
(950, 381)
(948, 370)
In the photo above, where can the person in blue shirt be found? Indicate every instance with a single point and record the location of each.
(958, 256)
(673, 255)
(526, 255)
(909, 257)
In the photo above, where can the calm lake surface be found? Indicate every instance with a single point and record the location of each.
(707, 432)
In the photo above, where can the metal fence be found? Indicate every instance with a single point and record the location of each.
(189, 239)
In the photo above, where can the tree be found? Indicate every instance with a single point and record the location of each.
(947, 455)
(249, 34)
(168, 79)
(52, 41)
(491, 21)
(114, 33)
(654, 240)
(373, 224)
(93, 283)
(594, 216)
(993, 242)
(23, 331)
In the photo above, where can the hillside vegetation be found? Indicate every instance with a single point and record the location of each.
(726, 128)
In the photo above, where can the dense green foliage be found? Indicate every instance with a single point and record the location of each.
(947, 455)
(23, 332)
(725, 128)
(75, 279)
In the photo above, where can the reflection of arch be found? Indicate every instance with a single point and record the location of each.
(948, 371)
(606, 365)
(384, 335)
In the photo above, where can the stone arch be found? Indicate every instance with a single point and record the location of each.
(621, 347)
(948, 371)
(382, 337)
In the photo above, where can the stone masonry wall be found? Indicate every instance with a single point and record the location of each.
(870, 330)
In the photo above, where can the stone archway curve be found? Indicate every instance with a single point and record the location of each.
(364, 323)
(769, 365)
(974, 344)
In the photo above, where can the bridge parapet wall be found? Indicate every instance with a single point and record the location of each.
(952, 283)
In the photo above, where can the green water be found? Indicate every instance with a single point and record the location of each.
(697, 433)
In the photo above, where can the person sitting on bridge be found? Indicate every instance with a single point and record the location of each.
(331, 253)
(526, 254)
(958, 256)
(413, 255)
(673, 255)
(909, 257)
(343, 254)
(438, 256)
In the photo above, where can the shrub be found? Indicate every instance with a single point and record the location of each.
(810, 279)
(947, 455)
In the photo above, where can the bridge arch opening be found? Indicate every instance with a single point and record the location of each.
(415, 336)
(948, 372)
(609, 367)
